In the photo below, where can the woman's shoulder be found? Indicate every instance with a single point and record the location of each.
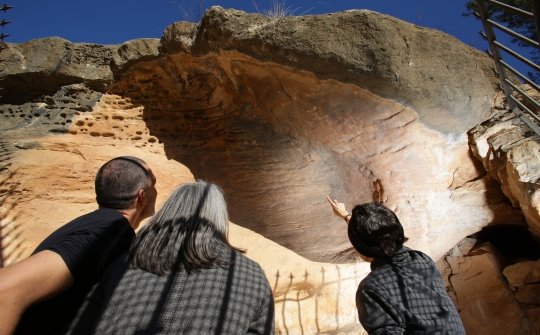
(246, 264)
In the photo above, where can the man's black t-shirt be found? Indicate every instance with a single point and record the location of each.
(87, 245)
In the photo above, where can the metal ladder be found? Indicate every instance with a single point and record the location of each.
(511, 89)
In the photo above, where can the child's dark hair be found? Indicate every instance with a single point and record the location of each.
(375, 231)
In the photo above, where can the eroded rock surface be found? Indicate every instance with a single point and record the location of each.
(485, 301)
(523, 273)
(510, 152)
(40, 67)
(392, 58)
(48, 180)
(279, 140)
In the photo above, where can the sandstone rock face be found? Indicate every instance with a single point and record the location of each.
(510, 152)
(448, 84)
(486, 303)
(534, 314)
(523, 273)
(40, 67)
(178, 37)
(49, 181)
(528, 294)
(37, 67)
(279, 141)
(134, 51)
(50, 113)
(280, 113)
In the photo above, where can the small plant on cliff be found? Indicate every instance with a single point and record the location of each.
(191, 11)
(277, 10)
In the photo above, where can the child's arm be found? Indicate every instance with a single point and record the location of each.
(339, 209)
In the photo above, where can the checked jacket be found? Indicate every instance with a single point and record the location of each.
(235, 299)
(404, 294)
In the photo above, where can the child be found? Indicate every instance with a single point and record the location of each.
(404, 293)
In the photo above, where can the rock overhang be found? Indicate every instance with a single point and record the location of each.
(279, 139)
(357, 105)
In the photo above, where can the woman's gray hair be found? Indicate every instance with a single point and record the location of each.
(189, 231)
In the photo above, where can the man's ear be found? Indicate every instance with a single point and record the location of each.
(141, 198)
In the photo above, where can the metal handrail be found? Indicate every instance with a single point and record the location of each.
(511, 52)
(519, 90)
(513, 33)
(519, 74)
(517, 56)
(511, 8)
(517, 107)
(523, 107)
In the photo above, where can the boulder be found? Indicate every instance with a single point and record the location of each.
(178, 37)
(424, 68)
(522, 273)
(485, 302)
(132, 52)
(510, 153)
(528, 294)
(41, 66)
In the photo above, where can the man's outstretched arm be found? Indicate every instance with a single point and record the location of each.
(39, 277)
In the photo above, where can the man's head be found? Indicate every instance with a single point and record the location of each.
(125, 183)
(375, 230)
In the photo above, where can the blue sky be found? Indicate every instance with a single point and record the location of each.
(116, 21)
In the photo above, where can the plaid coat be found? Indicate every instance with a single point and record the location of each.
(233, 300)
(405, 294)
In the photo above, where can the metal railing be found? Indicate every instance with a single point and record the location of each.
(4, 8)
(530, 115)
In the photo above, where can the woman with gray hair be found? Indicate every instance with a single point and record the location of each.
(182, 276)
